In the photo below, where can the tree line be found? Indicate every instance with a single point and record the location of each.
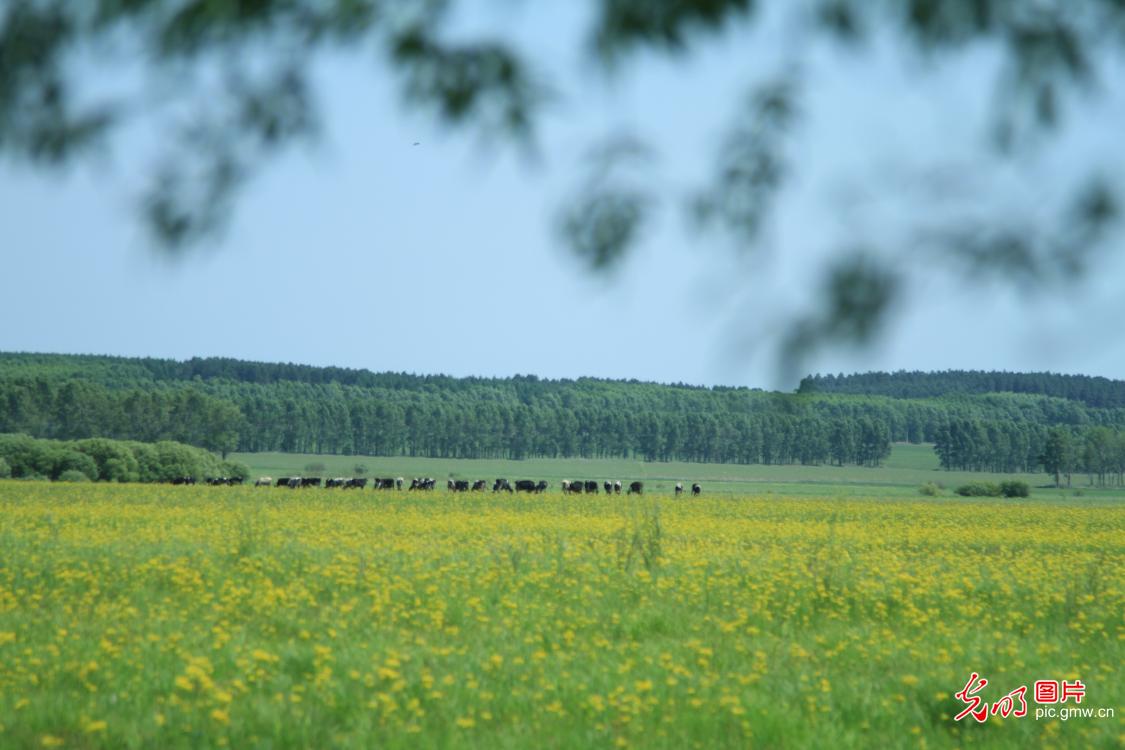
(1097, 392)
(225, 405)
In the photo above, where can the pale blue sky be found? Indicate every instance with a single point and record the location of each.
(366, 251)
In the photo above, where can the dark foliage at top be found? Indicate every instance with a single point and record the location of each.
(231, 85)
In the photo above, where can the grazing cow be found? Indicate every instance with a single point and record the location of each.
(449, 485)
(525, 485)
(591, 487)
(357, 483)
(480, 485)
(335, 482)
(461, 485)
(696, 489)
(577, 486)
(617, 487)
(398, 483)
(423, 483)
(565, 486)
(542, 486)
(234, 481)
(636, 488)
(679, 488)
(183, 480)
(387, 483)
(608, 487)
(264, 482)
(501, 485)
(310, 481)
(283, 481)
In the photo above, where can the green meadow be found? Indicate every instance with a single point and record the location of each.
(158, 616)
(908, 468)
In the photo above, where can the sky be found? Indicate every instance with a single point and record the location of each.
(367, 251)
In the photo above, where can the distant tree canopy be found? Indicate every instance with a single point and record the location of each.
(255, 406)
(1100, 393)
(230, 86)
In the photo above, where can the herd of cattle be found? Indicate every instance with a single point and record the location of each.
(580, 486)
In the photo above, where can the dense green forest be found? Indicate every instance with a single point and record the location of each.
(1100, 393)
(227, 404)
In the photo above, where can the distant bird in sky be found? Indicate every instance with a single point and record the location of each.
(416, 143)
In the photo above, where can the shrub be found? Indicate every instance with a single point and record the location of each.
(5, 469)
(64, 460)
(73, 475)
(979, 489)
(1015, 489)
(929, 489)
(315, 468)
(235, 470)
(116, 463)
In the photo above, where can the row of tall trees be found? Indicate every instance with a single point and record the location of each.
(1061, 450)
(300, 418)
(225, 405)
(1099, 452)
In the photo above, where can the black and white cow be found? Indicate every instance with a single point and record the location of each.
(679, 488)
(617, 487)
(356, 483)
(636, 488)
(480, 485)
(696, 489)
(591, 487)
(525, 485)
(264, 482)
(608, 486)
(501, 485)
(542, 486)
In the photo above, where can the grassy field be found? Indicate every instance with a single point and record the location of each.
(158, 616)
(908, 467)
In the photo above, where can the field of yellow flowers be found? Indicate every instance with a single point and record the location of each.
(141, 616)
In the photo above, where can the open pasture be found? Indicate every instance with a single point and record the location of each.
(159, 616)
(907, 468)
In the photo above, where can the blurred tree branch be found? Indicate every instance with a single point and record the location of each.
(239, 94)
